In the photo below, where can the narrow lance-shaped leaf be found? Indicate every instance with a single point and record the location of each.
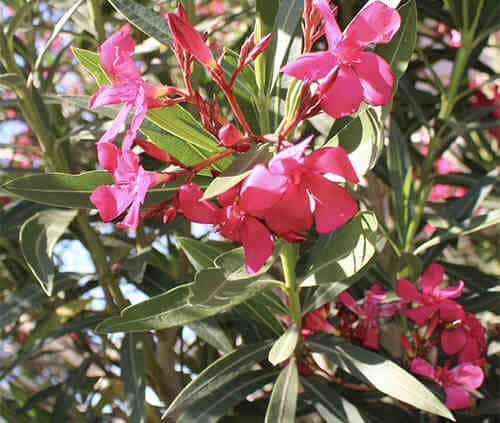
(219, 373)
(145, 19)
(211, 407)
(285, 346)
(283, 401)
(208, 295)
(38, 236)
(343, 253)
(380, 372)
(134, 380)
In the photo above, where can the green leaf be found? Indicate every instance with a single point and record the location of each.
(73, 191)
(211, 332)
(380, 372)
(467, 227)
(210, 408)
(344, 252)
(29, 297)
(285, 346)
(283, 401)
(57, 28)
(209, 294)
(326, 400)
(134, 379)
(90, 61)
(200, 254)
(37, 237)
(218, 374)
(254, 309)
(145, 19)
(11, 81)
(239, 170)
(398, 52)
(363, 138)
(232, 262)
(285, 24)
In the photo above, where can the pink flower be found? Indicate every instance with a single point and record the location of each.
(232, 222)
(455, 381)
(189, 39)
(127, 87)
(229, 135)
(290, 191)
(130, 188)
(466, 337)
(432, 299)
(480, 99)
(367, 327)
(347, 74)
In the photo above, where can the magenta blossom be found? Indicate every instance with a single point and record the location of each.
(126, 87)
(231, 222)
(348, 75)
(455, 381)
(130, 188)
(467, 337)
(316, 321)
(367, 329)
(432, 299)
(290, 191)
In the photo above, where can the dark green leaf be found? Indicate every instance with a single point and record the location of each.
(380, 372)
(341, 254)
(210, 408)
(209, 294)
(37, 237)
(211, 332)
(134, 379)
(326, 400)
(283, 401)
(145, 19)
(200, 254)
(218, 374)
(255, 310)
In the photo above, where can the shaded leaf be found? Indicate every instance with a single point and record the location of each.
(283, 401)
(285, 346)
(37, 237)
(134, 379)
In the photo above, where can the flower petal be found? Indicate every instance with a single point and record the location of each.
(141, 109)
(452, 291)
(289, 158)
(457, 398)
(111, 201)
(347, 299)
(453, 340)
(449, 310)
(117, 125)
(431, 278)
(344, 95)
(257, 243)
(193, 209)
(332, 160)
(292, 213)
(421, 314)
(311, 66)
(261, 190)
(468, 375)
(131, 220)
(107, 154)
(374, 24)
(334, 205)
(116, 55)
(421, 367)
(376, 78)
(408, 291)
(332, 30)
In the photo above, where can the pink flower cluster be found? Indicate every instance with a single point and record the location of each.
(439, 324)
(283, 197)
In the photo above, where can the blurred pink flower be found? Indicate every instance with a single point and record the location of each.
(467, 337)
(455, 381)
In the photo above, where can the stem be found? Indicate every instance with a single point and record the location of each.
(288, 257)
(235, 107)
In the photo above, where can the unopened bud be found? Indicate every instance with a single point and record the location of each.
(259, 48)
(229, 135)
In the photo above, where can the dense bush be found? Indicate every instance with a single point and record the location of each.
(249, 211)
